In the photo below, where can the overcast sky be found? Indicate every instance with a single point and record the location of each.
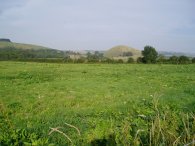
(167, 25)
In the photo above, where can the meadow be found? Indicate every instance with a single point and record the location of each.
(96, 104)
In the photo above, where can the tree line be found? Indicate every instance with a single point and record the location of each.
(149, 56)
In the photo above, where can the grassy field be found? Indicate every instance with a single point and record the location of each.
(127, 104)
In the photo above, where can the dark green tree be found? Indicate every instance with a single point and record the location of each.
(193, 60)
(183, 60)
(174, 60)
(149, 54)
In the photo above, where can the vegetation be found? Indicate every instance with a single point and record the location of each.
(96, 57)
(174, 60)
(149, 54)
(193, 60)
(96, 104)
(184, 60)
(119, 54)
(130, 60)
(6, 44)
(15, 51)
(10, 53)
(4, 40)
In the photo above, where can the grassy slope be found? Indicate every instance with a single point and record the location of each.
(117, 52)
(17, 51)
(21, 46)
(93, 97)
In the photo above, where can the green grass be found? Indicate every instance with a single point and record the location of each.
(107, 103)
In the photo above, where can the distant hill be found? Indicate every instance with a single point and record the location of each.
(4, 40)
(4, 44)
(122, 52)
(12, 51)
(169, 54)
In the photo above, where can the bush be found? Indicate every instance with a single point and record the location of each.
(130, 60)
(107, 60)
(119, 61)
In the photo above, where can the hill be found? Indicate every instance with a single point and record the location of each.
(4, 44)
(5, 40)
(169, 54)
(12, 51)
(122, 52)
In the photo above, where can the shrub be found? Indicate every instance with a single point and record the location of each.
(130, 60)
(119, 61)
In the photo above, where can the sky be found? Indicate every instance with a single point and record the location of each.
(167, 25)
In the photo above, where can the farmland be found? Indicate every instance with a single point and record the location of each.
(113, 104)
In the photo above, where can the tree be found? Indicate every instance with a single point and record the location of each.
(149, 54)
(95, 57)
(139, 60)
(98, 55)
(184, 60)
(174, 60)
(161, 59)
(193, 60)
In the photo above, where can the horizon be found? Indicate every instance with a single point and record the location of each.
(80, 50)
(100, 25)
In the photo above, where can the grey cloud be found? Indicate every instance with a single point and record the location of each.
(9, 4)
(101, 24)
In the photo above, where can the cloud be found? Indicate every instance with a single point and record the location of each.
(100, 24)
(9, 4)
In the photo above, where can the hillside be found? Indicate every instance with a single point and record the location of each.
(168, 54)
(11, 51)
(4, 44)
(122, 52)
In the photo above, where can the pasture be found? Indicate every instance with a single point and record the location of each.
(105, 104)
